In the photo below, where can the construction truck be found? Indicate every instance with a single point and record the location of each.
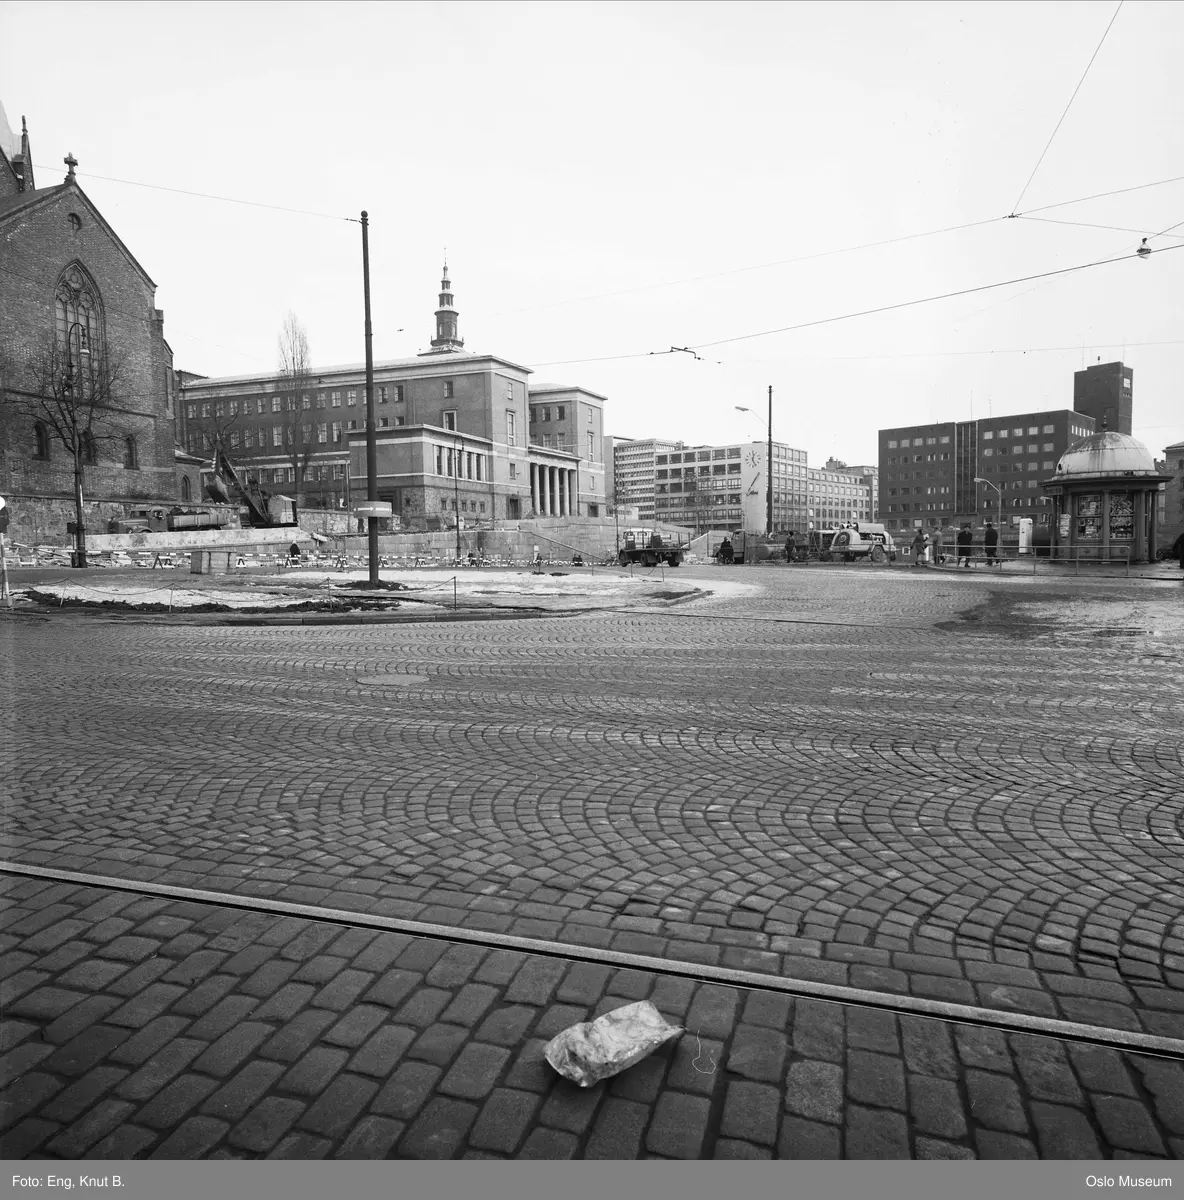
(646, 548)
(265, 510)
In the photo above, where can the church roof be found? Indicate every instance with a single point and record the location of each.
(10, 204)
(1104, 454)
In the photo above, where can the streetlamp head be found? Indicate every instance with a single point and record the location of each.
(741, 408)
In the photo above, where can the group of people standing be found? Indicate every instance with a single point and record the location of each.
(928, 548)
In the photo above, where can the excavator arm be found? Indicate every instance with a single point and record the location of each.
(251, 494)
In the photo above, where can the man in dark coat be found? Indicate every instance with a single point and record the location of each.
(990, 542)
(965, 537)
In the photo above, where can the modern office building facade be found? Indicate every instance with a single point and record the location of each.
(633, 466)
(725, 487)
(948, 471)
(836, 494)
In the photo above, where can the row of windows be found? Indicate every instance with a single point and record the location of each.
(384, 393)
(904, 443)
(560, 411)
(943, 457)
(43, 444)
(289, 403)
(1033, 430)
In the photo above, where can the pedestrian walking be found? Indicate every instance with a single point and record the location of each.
(789, 547)
(965, 537)
(937, 546)
(991, 542)
(920, 545)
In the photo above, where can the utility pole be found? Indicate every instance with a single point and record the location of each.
(769, 472)
(371, 434)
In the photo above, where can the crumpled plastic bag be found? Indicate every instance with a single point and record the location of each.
(594, 1050)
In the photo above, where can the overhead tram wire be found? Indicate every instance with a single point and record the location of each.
(675, 282)
(224, 199)
(927, 299)
(1089, 225)
(1068, 106)
(867, 312)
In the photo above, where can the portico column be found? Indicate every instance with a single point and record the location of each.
(534, 500)
(573, 503)
(552, 491)
(545, 475)
(564, 511)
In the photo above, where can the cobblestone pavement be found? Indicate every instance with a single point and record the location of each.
(137, 1028)
(903, 781)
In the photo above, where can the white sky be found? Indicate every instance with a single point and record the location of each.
(615, 179)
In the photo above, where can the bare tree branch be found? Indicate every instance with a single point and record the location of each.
(71, 392)
(295, 382)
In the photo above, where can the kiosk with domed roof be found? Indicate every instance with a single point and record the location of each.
(1104, 492)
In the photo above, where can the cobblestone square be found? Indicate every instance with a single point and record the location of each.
(922, 787)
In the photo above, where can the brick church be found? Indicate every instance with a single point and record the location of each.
(85, 370)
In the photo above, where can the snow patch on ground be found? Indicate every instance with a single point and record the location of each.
(299, 587)
(177, 597)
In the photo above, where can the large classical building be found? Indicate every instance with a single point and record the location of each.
(461, 437)
(81, 347)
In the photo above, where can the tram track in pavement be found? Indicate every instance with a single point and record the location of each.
(862, 998)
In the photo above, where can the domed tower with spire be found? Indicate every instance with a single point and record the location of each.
(447, 336)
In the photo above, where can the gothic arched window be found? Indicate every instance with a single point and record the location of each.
(90, 449)
(41, 439)
(130, 457)
(186, 491)
(79, 320)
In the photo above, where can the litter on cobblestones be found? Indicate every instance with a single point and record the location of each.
(594, 1050)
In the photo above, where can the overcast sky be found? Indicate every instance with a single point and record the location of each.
(615, 179)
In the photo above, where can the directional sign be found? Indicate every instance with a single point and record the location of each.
(374, 508)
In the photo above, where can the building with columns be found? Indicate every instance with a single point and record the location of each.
(455, 439)
(571, 419)
(1104, 495)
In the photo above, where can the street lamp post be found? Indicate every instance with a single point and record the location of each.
(999, 498)
(371, 434)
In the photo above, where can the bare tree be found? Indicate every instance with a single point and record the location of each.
(295, 382)
(71, 394)
(216, 431)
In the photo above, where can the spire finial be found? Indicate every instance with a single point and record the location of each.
(71, 162)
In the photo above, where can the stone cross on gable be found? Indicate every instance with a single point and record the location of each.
(70, 162)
